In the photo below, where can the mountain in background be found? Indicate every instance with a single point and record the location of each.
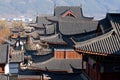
(25, 7)
(95, 8)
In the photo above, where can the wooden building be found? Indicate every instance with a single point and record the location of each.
(16, 32)
(96, 42)
(67, 22)
(4, 59)
(4, 63)
(15, 59)
(101, 51)
(66, 54)
(58, 31)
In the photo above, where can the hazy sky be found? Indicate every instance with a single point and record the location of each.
(96, 8)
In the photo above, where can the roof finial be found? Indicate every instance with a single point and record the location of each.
(80, 4)
(54, 5)
(107, 10)
(54, 2)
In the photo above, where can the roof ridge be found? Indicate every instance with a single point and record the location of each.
(79, 21)
(47, 61)
(68, 6)
(49, 37)
(83, 43)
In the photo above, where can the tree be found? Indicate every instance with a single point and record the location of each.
(4, 31)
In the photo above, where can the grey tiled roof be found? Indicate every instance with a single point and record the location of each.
(32, 24)
(53, 18)
(33, 34)
(108, 43)
(43, 20)
(44, 52)
(67, 25)
(16, 29)
(39, 25)
(67, 76)
(47, 29)
(50, 29)
(83, 37)
(77, 27)
(21, 77)
(101, 44)
(42, 58)
(40, 32)
(4, 50)
(57, 38)
(3, 77)
(30, 47)
(59, 64)
(17, 56)
(60, 10)
(105, 24)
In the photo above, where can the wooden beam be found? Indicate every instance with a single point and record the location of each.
(91, 52)
(68, 13)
